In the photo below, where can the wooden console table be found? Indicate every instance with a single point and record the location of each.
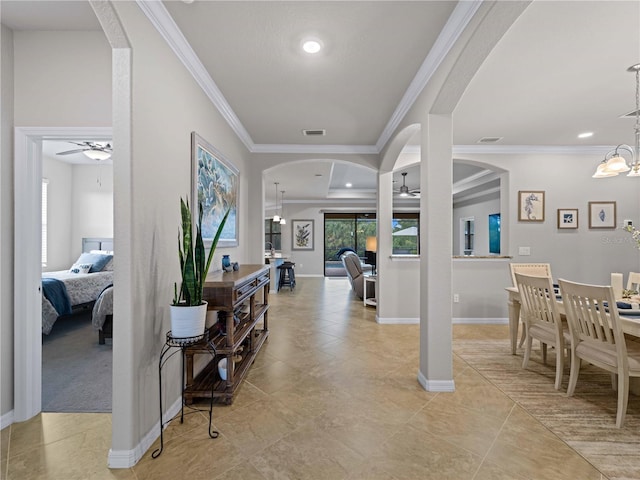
(242, 301)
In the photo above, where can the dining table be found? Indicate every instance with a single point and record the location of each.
(629, 317)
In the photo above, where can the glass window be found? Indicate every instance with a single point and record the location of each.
(406, 234)
(272, 235)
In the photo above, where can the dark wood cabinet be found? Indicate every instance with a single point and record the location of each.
(241, 299)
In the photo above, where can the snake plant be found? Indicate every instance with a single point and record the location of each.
(193, 264)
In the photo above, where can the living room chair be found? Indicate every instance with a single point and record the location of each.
(353, 266)
(597, 338)
(542, 320)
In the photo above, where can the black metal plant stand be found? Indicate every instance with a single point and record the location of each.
(172, 346)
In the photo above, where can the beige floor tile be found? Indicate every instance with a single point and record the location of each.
(241, 472)
(307, 453)
(5, 436)
(77, 456)
(490, 471)
(414, 454)
(524, 445)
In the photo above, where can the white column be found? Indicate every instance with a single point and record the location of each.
(436, 211)
(386, 288)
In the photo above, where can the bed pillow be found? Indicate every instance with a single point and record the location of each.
(97, 260)
(80, 268)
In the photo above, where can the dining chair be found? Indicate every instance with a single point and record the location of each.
(597, 338)
(542, 320)
(535, 269)
(633, 282)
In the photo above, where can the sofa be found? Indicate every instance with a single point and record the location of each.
(353, 266)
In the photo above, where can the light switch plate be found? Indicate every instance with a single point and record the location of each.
(524, 251)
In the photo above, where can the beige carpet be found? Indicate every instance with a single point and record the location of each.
(585, 421)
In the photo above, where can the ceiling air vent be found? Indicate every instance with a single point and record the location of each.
(313, 133)
(490, 139)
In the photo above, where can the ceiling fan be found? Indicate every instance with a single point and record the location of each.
(95, 151)
(404, 190)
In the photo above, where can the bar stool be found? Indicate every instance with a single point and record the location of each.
(287, 275)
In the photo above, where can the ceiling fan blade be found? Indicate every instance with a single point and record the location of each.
(68, 152)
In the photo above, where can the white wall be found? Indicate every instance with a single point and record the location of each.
(79, 207)
(6, 223)
(92, 204)
(59, 218)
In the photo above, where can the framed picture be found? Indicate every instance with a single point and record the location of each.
(530, 206)
(567, 218)
(214, 184)
(602, 214)
(302, 234)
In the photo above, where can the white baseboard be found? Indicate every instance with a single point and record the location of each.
(6, 420)
(480, 321)
(436, 385)
(128, 458)
(397, 320)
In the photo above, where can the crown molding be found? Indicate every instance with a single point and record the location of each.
(313, 149)
(532, 149)
(454, 27)
(165, 25)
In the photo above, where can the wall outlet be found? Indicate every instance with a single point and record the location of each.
(628, 223)
(300, 265)
(456, 298)
(524, 251)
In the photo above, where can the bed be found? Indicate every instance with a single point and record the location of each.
(69, 291)
(102, 315)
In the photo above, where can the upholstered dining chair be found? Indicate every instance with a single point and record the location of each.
(535, 269)
(542, 320)
(597, 338)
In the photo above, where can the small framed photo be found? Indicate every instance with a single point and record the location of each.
(302, 234)
(531, 206)
(567, 218)
(602, 215)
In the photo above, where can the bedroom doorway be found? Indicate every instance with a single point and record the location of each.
(27, 280)
(77, 217)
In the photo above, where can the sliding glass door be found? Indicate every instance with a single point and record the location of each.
(342, 232)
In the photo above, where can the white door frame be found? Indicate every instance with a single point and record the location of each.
(27, 246)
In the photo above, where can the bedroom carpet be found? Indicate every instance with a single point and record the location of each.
(76, 370)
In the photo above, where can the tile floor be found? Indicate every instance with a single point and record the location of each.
(332, 395)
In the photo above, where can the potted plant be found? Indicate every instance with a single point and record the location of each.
(188, 310)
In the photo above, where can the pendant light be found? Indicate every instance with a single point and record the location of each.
(276, 217)
(282, 220)
(613, 163)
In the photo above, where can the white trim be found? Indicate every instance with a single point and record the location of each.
(397, 320)
(27, 375)
(532, 149)
(128, 458)
(163, 22)
(6, 420)
(436, 385)
(404, 257)
(325, 149)
(457, 22)
(479, 321)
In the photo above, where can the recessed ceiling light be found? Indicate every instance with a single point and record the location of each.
(585, 135)
(348, 185)
(311, 46)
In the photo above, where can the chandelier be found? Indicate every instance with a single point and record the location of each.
(613, 163)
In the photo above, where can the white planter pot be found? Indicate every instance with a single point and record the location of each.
(188, 321)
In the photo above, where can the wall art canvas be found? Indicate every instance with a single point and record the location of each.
(602, 214)
(531, 206)
(302, 234)
(216, 185)
(567, 218)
